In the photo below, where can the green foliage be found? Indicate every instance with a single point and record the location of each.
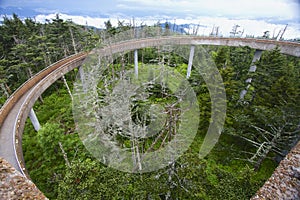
(42, 154)
(277, 80)
(230, 186)
(272, 101)
(240, 59)
(88, 179)
(47, 165)
(221, 57)
(193, 179)
(28, 47)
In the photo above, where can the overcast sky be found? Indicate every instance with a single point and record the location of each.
(250, 9)
(266, 12)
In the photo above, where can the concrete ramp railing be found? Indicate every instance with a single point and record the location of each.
(5, 109)
(20, 103)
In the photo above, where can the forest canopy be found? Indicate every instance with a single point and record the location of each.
(259, 130)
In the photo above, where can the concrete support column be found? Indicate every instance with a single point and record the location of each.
(136, 64)
(252, 68)
(34, 120)
(189, 69)
(256, 57)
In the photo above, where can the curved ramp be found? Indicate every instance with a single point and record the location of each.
(15, 111)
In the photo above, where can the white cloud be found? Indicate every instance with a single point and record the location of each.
(251, 27)
(276, 10)
(82, 20)
(283, 9)
(255, 16)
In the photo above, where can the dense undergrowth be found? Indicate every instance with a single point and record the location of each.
(219, 176)
(224, 174)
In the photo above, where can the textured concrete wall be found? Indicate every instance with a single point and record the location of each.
(285, 181)
(14, 186)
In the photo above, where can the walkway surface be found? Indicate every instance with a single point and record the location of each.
(7, 134)
(19, 105)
